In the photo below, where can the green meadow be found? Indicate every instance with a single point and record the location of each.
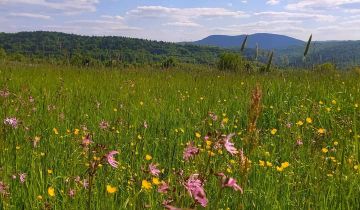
(295, 135)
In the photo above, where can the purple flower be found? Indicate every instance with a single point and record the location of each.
(163, 188)
(229, 146)
(104, 125)
(4, 189)
(22, 177)
(229, 182)
(167, 205)
(299, 142)
(190, 151)
(12, 121)
(195, 187)
(71, 193)
(111, 160)
(153, 169)
(86, 141)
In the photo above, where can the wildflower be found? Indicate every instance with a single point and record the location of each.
(12, 121)
(50, 171)
(225, 120)
(148, 157)
(309, 120)
(230, 182)
(190, 151)
(153, 169)
(111, 160)
(71, 193)
(324, 150)
(299, 142)
(299, 123)
(86, 141)
(51, 191)
(333, 102)
(195, 187)
(39, 197)
(103, 125)
(156, 181)
(198, 135)
(55, 131)
(167, 205)
(4, 189)
(336, 143)
(146, 185)
(145, 125)
(261, 163)
(76, 131)
(285, 165)
(163, 187)
(229, 146)
(22, 177)
(321, 130)
(273, 131)
(269, 164)
(36, 141)
(110, 189)
(280, 169)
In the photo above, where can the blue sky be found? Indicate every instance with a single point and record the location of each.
(185, 20)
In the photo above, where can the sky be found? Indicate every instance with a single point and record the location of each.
(185, 20)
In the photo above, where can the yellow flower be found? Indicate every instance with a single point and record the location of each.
(198, 135)
(55, 131)
(321, 131)
(261, 163)
(299, 123)
(51, 191)
(208, 143)
(269, 164)
(148, 157)
(115, 109)
(225, 120)
(321, 103)
(324, 150)
(333, 102)
(232, 161)
(328, 109)
(50, 171)
(309, 120)
(76, 131)
(139, 137)
(285, 164)
(356, 105)
(156, 181)
(280, 169)
(229, 170)
(146, 185)
(141, 103)
(110, 189)
(17, 147)
(273, 131)
(39, 197)
(336, 143)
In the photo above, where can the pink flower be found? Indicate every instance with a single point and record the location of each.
(299, 142)
(104, 125)
(71, 193)
(195, 187)
(153, 169)
(229, 146)
(111, 160)
(230, 182)
(12, 121)
(190, 151)
(4, 189)
(163, 188)
(22, 177)
(167, 205)
(86, 141)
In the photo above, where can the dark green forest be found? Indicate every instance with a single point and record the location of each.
(61, 48)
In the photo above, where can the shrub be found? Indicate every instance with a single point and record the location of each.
(168, 63)
(325, 67)
(230, 62)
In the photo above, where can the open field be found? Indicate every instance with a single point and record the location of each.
(296, 139)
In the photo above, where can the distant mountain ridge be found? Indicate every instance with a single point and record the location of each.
(265, 41)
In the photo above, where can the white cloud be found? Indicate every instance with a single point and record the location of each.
(273, 2)
(296, 15)
(319, 4)
(64, 5)
(30, 15)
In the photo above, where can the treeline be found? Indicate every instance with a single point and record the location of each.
(109, 51)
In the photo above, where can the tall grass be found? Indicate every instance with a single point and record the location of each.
(153, 114)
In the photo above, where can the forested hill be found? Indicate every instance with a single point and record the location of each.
(61, 46)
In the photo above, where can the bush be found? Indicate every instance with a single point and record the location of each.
(230, 62)
(325, 67)
(168, 63)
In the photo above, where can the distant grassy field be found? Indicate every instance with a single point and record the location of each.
(296, 139)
